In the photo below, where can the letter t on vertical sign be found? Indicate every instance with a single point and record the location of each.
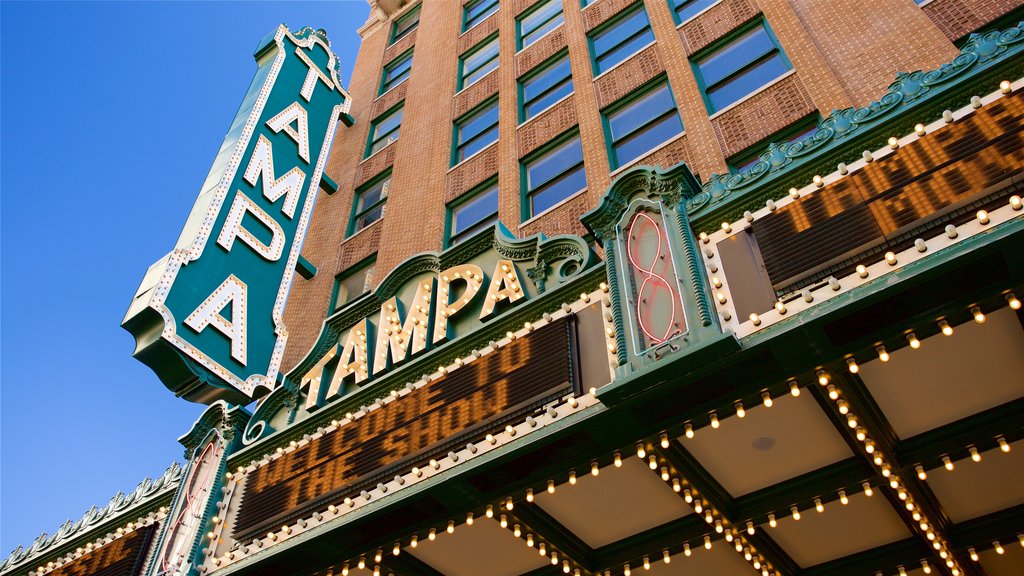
(209, 317)
(657, 282)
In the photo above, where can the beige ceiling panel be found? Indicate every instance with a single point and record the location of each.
(974, 489)
(483, 548)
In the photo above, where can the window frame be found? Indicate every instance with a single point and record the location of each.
(456, 127)
(526, 14)
(461, 74)
(354, 216)
(371, 141)
(526, 195)
(395, 35)
(723, 42)
(737, 161)
(466, 26)
(384, 88)
(333, 306)
(641, 92)
(612, 23)
(675, 5)
(450, 238)
(533, 74)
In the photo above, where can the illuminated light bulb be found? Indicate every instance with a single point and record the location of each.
(572, 477)
(529, 494)
(626, 571)
(647, 563)
(1015, 202)
(344, 570)
(707, 542)
(862, 271)
(926, 567)
(822, 377)
(842, 498)
(414, 541)
(979, 317)
(818, 505)
(794, 388)
(902, 495)
(755, 319)
(947, 463)
(1004, 445)
(652, 462)
(698, 506)
(998, 547)
(794, 192)
(913, 341)
(489, 511)
(594, 469)
(687, 496)
(867, 489)
(503, 521)
(432, 535)
(708, 517)
(887, 472)
(565, 568)
(890, 258)
(362, 562)
(982, 216)
(740, 412)
(750, 527)
(975, 455)
(529, 540)
(551, 486)
(771, 521)
(554, 558)
(516, 531)
(844, 408)
(721, 298)
(617, 460)
(704, 237)
(796, 512)
(1013, 301)
(664, 440)
(818, 181)
(676, 486)
(947, 330)
(451, 527)
(882, 354)
(1020, 538)
(664, 474)
(729, 537)
(686, 550)
(921, 474)
(833, 392)
(714, 420)
(726, 228)
(919, 129)
(378, 556)
(718, 526)
(508, 503)
(666, 557)
(640, 451)
(767, 398)
(851, 421)
(780, 306)
(542, 549)
(689, 430)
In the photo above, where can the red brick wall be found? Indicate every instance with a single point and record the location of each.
(958, 18)
(716, 22)
(762, 115)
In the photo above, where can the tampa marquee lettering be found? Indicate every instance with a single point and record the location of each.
(404, 330)
(232, 292)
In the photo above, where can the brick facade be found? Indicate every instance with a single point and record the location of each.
(840, 58)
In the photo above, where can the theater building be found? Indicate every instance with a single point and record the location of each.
(603, 287)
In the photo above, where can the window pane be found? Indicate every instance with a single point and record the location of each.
(476, 211)
(478, 144)
(540, 22)
(637, 113)
(553, 163)
(747, 82)
(478, 123)
(354, 285)
(478, 11)
(480, 72)
(648, 138)
(397, 71)
(686, 9)
(405, 24)
(558, 189)
(477, 64)
(551, 76)
(623, 39)
(371, 195)
(370, 217)
(737, 54)
(385, 125)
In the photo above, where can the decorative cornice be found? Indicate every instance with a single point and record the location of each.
(226, 419)
(838, 136)
(120, 506)
(670, 186)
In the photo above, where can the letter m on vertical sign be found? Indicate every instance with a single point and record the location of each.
(209, 317)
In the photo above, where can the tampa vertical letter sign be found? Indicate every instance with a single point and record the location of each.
(209, 317)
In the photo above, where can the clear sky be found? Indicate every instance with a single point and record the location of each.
(112, 113)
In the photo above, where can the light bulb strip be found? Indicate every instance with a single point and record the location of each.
(94, 545)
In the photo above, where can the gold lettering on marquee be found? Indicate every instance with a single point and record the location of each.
(468, 274)
(283, 121)
(232, 292)
(505, 285)
(233, 229)
(397, 338)
(290, 185)
(352, 360)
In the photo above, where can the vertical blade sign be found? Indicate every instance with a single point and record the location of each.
(209, 317)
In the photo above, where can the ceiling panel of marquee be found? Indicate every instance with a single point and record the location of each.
(483, 548)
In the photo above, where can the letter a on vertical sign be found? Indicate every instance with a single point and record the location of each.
(209, 317)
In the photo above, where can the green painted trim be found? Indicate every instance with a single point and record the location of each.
(612, 22)
(328, 184)
(353, 215)
(391, 66)
(376, 121)
(723, 42)
(525, 206)
(394, 25)
(449, 209)
(454, 156)
(534, 72)
(754, 150)
(460, 74)
(305, 268)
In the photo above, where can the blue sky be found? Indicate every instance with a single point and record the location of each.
(98, 98)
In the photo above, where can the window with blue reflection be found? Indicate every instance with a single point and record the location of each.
(369, 203)
(476, 63)
(476, 12)
(641, 125)
(686, 9)
(384, 131)
(546, 86)
(396, 72)
(539, 21)
(740, 67)
(620, 39)
(405, 24)
(479, 212)
(554, 175)
(475, 132)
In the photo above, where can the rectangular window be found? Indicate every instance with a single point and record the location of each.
(476, 12)
(542, 88)
(405, 24)
(352, 284)
(383, 131)
(740, 67)
(369, 203)
(686, 9)
(476, 63)
(553, 176)
(801, 130)
(641, 124)
(619, 39)
(539, 21)
(396, 72)
(477, 213)
(475, 131)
